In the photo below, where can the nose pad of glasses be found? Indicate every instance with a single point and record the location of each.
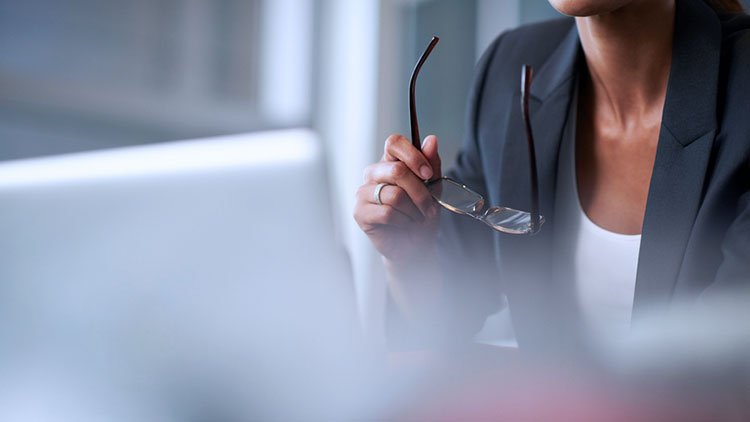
(456, 197)
(508, 220)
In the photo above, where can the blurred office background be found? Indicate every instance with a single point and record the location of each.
(79, 75)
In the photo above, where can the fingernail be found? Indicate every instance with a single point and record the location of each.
(425, 171)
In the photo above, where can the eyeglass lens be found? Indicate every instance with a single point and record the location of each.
(455, 196)
(460, 199)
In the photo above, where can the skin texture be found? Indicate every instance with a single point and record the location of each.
(582, 8)
(408, 219)
(405, 227)
(628, 55)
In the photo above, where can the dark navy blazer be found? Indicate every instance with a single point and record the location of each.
(696, 229)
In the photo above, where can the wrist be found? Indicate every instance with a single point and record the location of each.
(417, 263)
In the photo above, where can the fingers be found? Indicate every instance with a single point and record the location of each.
(393, 196)
(406, 200)
(377, 215)
(430, 151)
(398, 148)
(397, 173)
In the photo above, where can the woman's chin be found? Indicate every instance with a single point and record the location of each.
(582, 8)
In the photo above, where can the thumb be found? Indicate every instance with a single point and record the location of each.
(430, 151)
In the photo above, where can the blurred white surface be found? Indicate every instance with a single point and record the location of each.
(187, 281)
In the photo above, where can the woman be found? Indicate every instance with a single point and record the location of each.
(641, 116)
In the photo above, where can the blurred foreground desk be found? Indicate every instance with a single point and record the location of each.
(486, 383)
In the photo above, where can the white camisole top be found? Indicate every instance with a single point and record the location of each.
(601, 263)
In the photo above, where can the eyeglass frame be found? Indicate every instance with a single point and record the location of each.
(535, 220)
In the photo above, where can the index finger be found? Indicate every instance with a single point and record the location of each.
(398, 148)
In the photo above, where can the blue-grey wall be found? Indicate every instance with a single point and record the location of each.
(136, 46)
(534, 10)
(445, 79)
(446, 76)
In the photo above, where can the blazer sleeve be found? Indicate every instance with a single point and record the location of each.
(466, 245)
(733, 275)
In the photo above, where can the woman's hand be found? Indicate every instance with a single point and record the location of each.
(405, 225)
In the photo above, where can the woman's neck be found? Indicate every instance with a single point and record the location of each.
(629, 53)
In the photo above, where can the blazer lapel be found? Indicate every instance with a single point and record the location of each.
(685, 140)
(536, 299)
(551, 93)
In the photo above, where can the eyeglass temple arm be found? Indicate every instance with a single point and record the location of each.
(415, 139)
(527, 73)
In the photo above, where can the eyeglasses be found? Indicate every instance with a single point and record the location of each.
(456, 197)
